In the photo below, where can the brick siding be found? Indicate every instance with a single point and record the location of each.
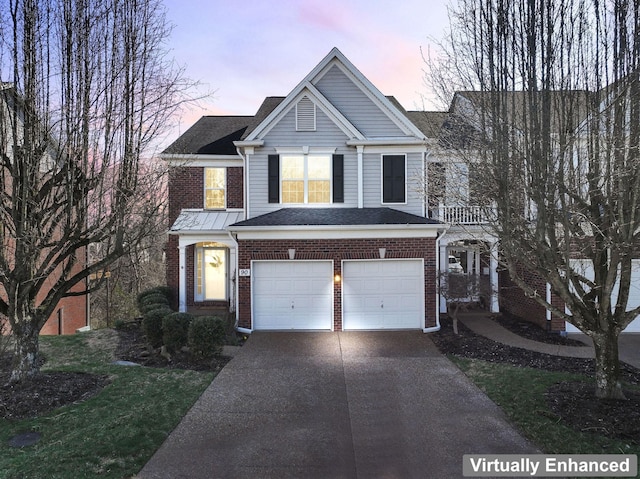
(514, 301)
(337, 250)
(186, 191)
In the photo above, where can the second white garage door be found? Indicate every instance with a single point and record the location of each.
(383, 294)
(586, 268)
(292, 295)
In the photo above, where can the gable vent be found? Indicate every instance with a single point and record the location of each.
(305, 115)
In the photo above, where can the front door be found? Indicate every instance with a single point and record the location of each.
(211, 274)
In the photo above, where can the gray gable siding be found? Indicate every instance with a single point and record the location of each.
(284, 134)
(356, 106)
(372, 182)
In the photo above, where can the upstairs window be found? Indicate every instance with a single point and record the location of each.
(215, 181)
(305, 115)
(394, 189)
(306, 178)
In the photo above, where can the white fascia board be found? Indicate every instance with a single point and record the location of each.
(369, 89)
(336, 232)
(218, 236)
(202, 160)
(381, 145)
(248, 143)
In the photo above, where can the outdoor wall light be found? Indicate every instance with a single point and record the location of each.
(337, 278)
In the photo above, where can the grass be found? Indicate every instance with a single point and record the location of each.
(111, 435)
(520, 394)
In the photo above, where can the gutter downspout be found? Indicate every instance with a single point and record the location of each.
(234, 237)
(245, 189)
(425, 204)
(437, 326)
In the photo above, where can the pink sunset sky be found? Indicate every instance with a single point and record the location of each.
(245, 51)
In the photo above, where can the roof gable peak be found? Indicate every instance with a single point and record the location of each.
(336, 58)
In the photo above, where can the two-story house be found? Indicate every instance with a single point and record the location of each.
(312, 214)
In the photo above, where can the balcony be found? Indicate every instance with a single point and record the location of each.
(462, 215)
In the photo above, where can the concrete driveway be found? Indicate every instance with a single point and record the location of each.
(336, 405)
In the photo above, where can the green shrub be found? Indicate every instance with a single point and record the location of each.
(151, 301)
(165, 291)
(152, 324)
(175, 328)
(206, 336)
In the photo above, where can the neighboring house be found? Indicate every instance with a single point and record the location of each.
(312, 213)
(458, 132)
(71, 313)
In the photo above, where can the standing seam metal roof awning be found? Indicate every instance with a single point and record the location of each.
(194, 221)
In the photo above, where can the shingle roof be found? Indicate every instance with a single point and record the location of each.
(268, 105)
(211, 135)
(428, 122)
(335, 217)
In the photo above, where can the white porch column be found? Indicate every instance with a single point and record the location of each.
(493, 278)
(360, 150)
(182, 285)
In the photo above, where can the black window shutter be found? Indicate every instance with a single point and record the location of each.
(274, 179)
(393, 179)
(338, 178)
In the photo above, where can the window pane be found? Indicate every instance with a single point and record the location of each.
(214, 178)
(293, 191)
(214, 199)
(292, 167)
(319, 167)
(319, 191)
(214, 188)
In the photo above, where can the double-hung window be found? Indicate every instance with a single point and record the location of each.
(306, 178)
(215, 181)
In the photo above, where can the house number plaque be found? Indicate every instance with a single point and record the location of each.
(244, 272)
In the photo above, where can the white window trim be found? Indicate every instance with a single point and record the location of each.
(205, 189)
(406, 197)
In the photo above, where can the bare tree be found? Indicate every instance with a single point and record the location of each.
(556, 116)
(461, 291)
(88, 87)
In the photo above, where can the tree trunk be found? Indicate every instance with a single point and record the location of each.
(25, 361)
(607, 366)
(454, 307)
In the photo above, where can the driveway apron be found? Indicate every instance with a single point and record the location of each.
(336, 405)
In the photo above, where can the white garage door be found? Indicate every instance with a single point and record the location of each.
(383, 294)
(634, 292)
(292, 295)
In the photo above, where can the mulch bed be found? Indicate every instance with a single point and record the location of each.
(51, 390)
(574, 403)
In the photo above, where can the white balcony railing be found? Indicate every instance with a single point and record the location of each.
(462, 215)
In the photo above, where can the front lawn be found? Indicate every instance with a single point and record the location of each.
(520, 392)
(112, 434)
